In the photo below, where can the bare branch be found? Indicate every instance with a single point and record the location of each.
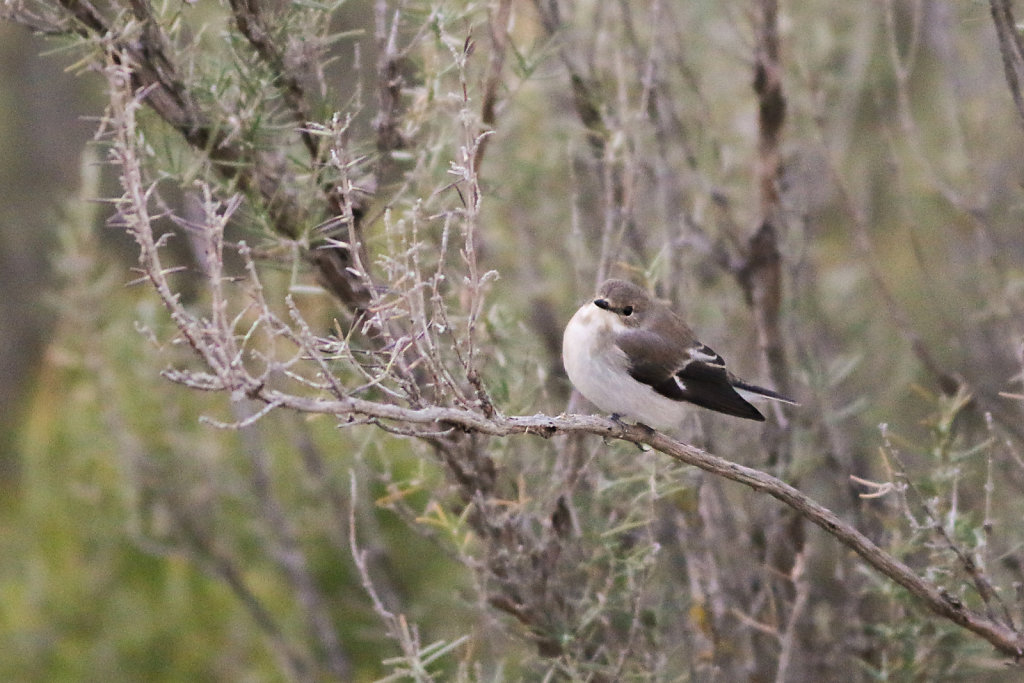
(1001, 636)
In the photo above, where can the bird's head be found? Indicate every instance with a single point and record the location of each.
(629, 302)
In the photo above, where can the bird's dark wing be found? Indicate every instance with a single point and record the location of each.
(684, 372)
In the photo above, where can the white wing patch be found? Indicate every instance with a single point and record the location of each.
(702, 354)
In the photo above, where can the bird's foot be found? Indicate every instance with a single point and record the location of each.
(617, 419)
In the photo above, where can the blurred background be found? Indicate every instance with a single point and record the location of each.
(44, 130)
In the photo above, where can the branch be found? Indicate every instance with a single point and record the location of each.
(389, 84)
(612, 161)
(1002, 637)
(263, 175)
(497, 23)
(771, 105)
(253, 24)
(760, 276)
(1011, 48)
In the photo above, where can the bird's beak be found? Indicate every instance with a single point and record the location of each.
(602, 304)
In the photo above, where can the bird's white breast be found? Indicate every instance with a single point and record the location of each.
(600, 370)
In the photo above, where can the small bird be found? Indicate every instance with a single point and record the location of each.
(632, 356)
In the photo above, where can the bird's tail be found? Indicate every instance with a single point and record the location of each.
(753, 393)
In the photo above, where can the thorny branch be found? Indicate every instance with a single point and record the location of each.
(262, 174)
(253, 22)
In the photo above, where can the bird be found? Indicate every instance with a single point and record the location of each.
(632, 356)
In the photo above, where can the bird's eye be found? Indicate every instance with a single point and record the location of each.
(627, 310)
